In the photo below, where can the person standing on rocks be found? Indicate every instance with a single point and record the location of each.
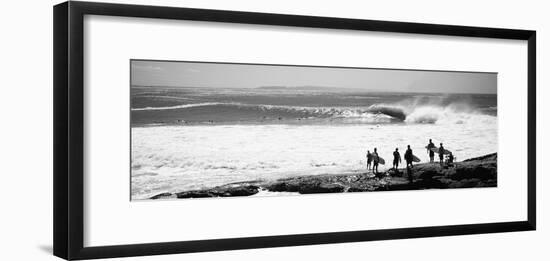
(369, 159)
(429, 148)
(375, 161)
(450, 159)
(409, 156)
(396, 159)
(441, 152)
(409, 161)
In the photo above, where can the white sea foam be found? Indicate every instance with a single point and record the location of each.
(176, 106)
(178, 158)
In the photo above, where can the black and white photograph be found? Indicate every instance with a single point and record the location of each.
(213, 129)
(275, 130)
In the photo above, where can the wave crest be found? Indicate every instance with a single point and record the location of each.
(432, 110)
(424, 111)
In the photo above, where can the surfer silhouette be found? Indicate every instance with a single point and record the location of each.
(409, 161)
(409, 156)
(450, 159)
(369, 159)
(429, 148)
(441, 152)
(375, 160)
(396, 159)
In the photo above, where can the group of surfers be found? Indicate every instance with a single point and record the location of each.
(373, 159)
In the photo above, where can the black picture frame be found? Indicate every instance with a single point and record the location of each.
(69, 117)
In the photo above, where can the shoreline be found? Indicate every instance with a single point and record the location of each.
(474, 172)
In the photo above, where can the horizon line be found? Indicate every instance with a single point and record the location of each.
(301, 86)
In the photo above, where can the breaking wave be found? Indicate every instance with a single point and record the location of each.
(429, 111)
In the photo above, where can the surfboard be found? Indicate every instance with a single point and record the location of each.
(415, 159)
(445, 151)
(381, 160)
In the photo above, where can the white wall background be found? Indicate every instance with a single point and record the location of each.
(26, 129)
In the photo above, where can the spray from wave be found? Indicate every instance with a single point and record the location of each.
(431, 110)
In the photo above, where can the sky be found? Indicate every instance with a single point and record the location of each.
(223, 75)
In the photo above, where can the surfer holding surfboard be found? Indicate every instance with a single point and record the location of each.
(441, 152)
(409, 156)
(369, 159)
(396, 159)
(375, 161)
(429, 148)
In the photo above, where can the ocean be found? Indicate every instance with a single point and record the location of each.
(196, 138)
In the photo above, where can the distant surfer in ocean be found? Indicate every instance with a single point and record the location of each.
(430, 146)
(396, 159)
(441, 152)
(369, 159)
(375, 160)
(409, 161)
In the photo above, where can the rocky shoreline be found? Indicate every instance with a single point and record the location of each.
(474, 172)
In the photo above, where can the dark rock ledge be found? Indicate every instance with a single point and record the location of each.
(475, 172)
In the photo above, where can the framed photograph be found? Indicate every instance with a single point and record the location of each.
(183, 130)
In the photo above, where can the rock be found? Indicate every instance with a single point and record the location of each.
(162, 196)
(488, 157)
(482, 172)
(322, 188)
(195, 194)
(239, 191)
(475, 172)
(396, 173)
(426, 174)
(284, 186)
(232, 190)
